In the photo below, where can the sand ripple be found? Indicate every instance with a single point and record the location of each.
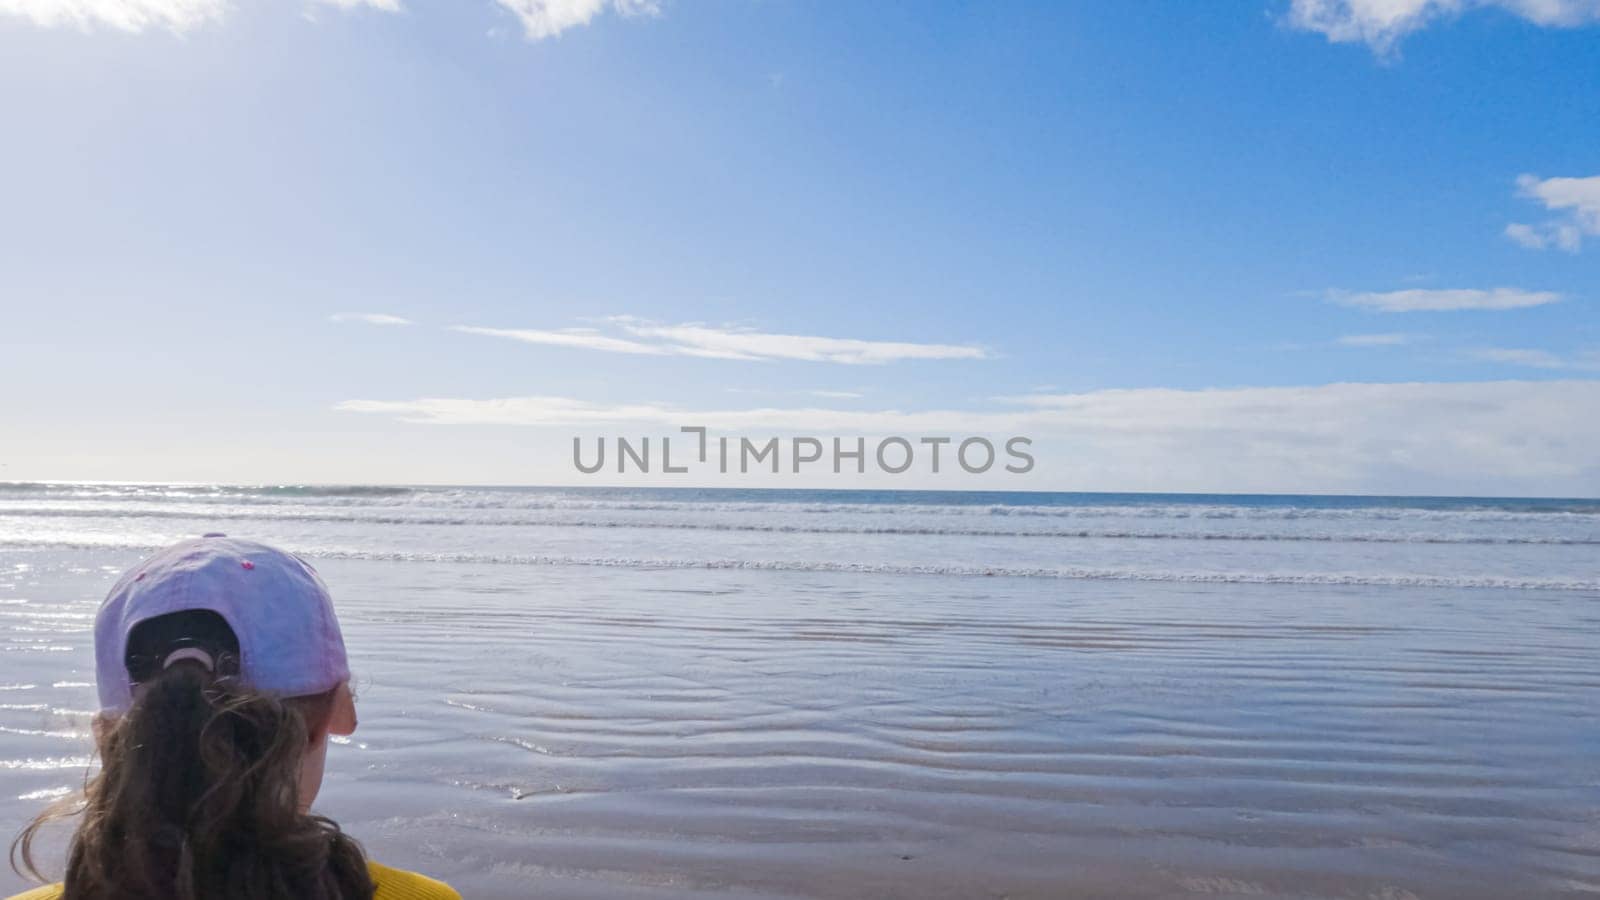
(568, 733)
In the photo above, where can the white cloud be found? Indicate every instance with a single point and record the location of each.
(1539, 359)
(585, 338)
(1381, 24)
(1419, 300)
(1505, 436)
(1542, 359)
(1391, 339)
(508, 411)
(124, 15)
(137, 15)
(1577, 200)
(548, 18)
(369, 318)
(733, 343)
(814, 392)
(729, 343)
(385, 5)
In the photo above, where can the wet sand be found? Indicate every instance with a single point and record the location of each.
(572, 732)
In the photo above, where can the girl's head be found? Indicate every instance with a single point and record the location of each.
(221, 674)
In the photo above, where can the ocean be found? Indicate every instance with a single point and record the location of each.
(778, 694)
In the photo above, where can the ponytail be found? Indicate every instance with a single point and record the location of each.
(198, 796)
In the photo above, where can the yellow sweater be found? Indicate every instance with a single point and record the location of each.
(392, 884)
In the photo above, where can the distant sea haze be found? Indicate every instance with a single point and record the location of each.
(1544, 544)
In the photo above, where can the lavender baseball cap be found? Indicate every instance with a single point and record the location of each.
(289, 640)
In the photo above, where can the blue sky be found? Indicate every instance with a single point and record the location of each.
(1085, 222)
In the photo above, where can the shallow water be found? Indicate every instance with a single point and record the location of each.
(666, 730)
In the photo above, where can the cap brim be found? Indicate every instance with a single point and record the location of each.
(342, 719)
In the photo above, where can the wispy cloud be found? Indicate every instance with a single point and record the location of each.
(1420, 300)
(369, 318)
(583, 338)
(811, 392)
(1577, 200)
(123, 15)
(177, 16)
(548, 18)
(1503, 436)
(1390, 339)
(739, 343)
(385, 5)
(638, 336)
(540, 18)
(1539, 359)
(538, 410)
(1381, 24)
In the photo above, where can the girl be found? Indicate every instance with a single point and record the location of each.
(221, 673)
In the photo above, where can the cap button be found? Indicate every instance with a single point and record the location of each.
(211, 534)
